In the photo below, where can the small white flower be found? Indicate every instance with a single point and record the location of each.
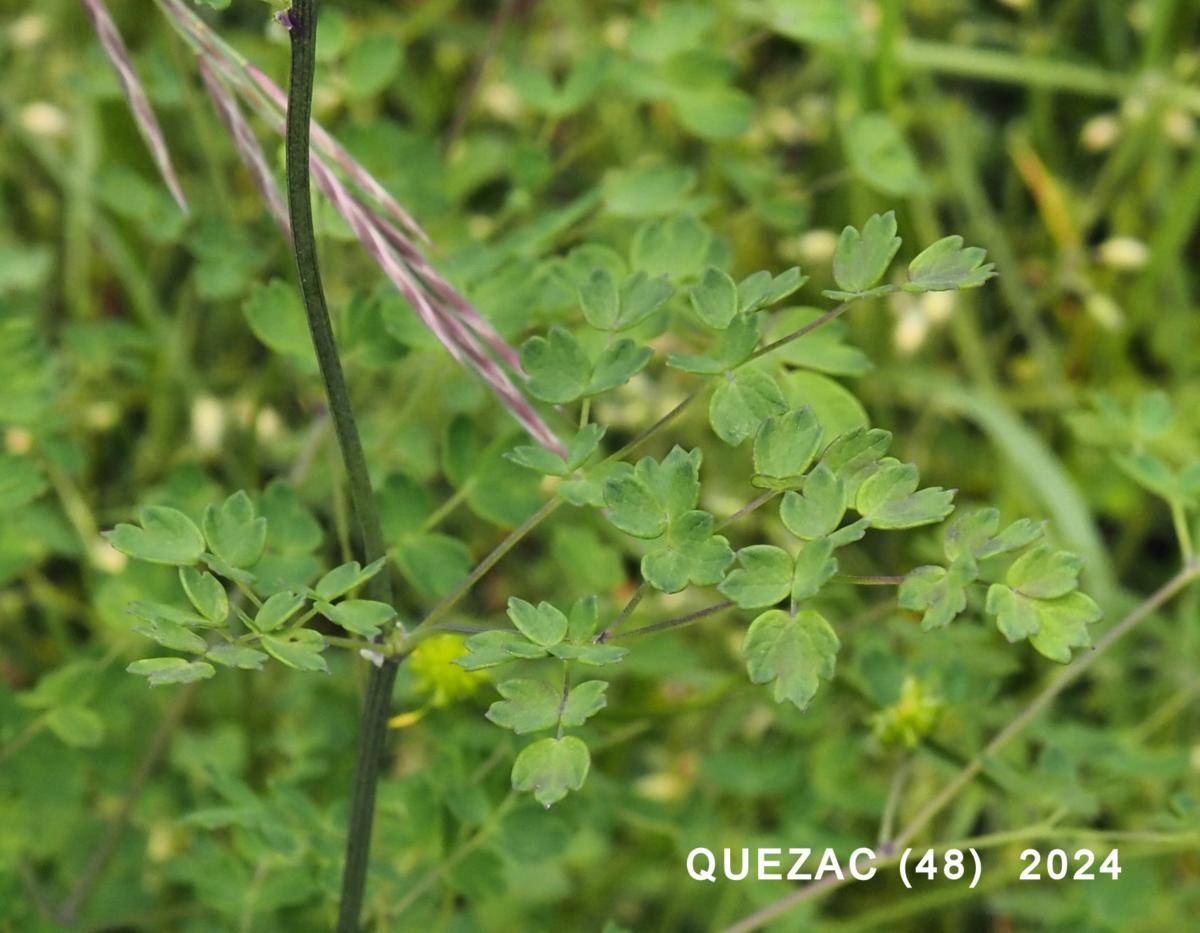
(1100, 132)
(208, 424)
(44, 119)
(1123, 253)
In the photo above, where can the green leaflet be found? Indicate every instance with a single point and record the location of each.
(948, 265)
(784, 448)
(689, 554)
(160, 671)
(543, 624)
(862, 258)
(166, 536)
(549, 768)
(793, 654)
(560, 370)
(817, 511)
(234, 532)
(741, 401)
(763, 578)
(643, 502)
(888, 498)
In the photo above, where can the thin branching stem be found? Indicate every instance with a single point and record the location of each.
(373, 730)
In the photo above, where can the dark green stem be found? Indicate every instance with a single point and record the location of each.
(373, 730)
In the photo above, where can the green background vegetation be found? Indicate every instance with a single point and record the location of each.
(152, 357)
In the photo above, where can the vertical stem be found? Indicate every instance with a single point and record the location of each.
(373, 730)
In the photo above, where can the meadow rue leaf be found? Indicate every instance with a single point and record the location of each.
(1015, 617)
(741, 401)
(365, 617)
(861, 259)
(691, 553)
(557, 366)
(542, 624)
(300, 649)
(672, 246)
(819, 510)
(166, 536)
(1043, 573)
(276, 610)
(172, 635)
(205, 593)
(538, 459)
(498, 646)
(1053, 626)
(715, 299)
(541, 460)
(633, 508)
(583, 445)
(881, 155)
(815, 566)
(582, 619)
(600, 299)
(346, 577)
(161, 671)
(154, 612)
(791, 653)
(248, 659)
(733, 347)
(760, 290)
(848, 534)
(551, 767)
(763, 579)
(234, 533)
(583, 702)
(852, 455)
(948, 265)
(641, 296)
(784, 448)
(974, 534)
(528, 706)
(888, 498)
(591, 655)
(940, 594)
(1063, 625)
(588, 489)
(675, 482)
(616, 365)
